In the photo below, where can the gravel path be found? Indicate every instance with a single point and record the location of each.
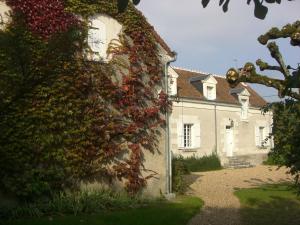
(216, 189)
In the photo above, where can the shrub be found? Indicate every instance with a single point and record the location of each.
(74, 203)
(205, 163)
(273, 160)
(179, 169)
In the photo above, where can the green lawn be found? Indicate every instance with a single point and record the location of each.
(177, 212)
(270, 205)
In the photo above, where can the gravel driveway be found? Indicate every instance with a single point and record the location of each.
(216, 189)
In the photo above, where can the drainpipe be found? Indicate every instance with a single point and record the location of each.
(167, 134)
(216, 129)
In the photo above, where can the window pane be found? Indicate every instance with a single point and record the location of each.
(187, 135)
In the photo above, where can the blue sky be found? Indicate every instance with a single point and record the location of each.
(212, 41)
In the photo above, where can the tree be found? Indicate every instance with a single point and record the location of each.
(260, 10)
(286, 135)
(286, 114)
(291, 75)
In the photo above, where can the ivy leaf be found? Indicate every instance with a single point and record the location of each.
(136, 2)
(260, 11)
(225, 6)
(271, 1)
(205, 3)
(122, 5)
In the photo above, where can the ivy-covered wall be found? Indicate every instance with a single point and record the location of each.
(64, 119)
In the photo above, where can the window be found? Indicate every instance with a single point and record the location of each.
(210, 93)
(97, 39)
(262, 138)
(187, 135)
(244, 109)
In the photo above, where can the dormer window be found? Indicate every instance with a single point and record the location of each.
(209, 87)
(243, 98)
(206, 84)
(210, 94)
(172, 81)
(244, 109)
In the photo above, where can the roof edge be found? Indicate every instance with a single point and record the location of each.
(198, 71)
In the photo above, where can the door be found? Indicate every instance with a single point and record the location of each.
(229, 141)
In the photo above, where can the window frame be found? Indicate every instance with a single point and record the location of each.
(187, 135)
(261, 135)
(210, 92)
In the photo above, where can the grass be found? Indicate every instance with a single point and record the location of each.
(177, 212)
(271, 204)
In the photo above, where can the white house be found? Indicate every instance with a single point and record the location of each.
(210, 117)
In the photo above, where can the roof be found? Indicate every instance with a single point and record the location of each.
(189, 89)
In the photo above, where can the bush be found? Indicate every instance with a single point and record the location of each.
(182, 166)
(205, 163)
(273, 160)
(179, 169)
(74, 203)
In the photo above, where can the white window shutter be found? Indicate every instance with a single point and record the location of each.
(97, 37)
(196, 135)
(180, 135)
(257, 141)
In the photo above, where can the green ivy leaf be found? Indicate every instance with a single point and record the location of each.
(260, 11)
(122, 5)
(136, 2)
(205, 3)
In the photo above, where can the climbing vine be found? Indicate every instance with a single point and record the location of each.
(65, 119)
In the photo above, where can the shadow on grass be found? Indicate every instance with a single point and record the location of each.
(278, 211)
(276, 204)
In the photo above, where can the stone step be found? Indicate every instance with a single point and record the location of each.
(235, 163)
(239, 163)
(239, 167)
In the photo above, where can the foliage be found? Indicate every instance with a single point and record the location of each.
(272, 160)
(183, 166)
(168, 213)
(44, 17)
(260, 10)
(205, 163)
(66, 119)
(271, 204)
(74, 203)
(286, 134)
(179, 169)
(291, 75)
